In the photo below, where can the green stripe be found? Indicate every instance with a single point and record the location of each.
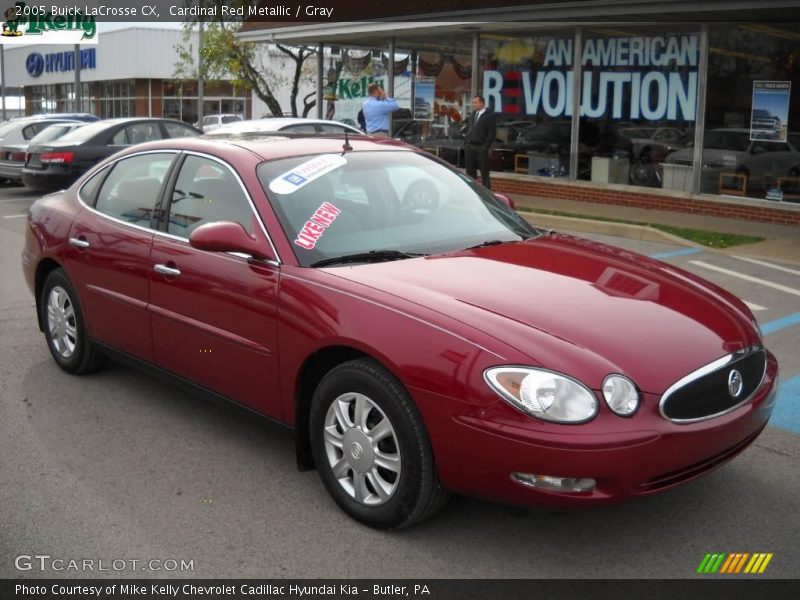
(719, 563)
(702, 566)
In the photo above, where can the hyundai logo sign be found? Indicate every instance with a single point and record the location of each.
(34, 64)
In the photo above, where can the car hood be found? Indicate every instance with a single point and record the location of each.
(576, 306)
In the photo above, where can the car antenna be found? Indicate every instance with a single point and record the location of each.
(346, 146)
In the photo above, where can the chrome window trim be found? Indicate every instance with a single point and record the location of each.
(276, 262)
(707, 370)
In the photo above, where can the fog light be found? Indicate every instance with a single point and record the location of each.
(556, 484)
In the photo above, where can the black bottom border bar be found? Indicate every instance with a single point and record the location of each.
(730, 588)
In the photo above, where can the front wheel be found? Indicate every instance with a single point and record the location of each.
(65, 328)
(371, 448)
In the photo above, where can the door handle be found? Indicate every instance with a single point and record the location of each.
(165, 270)
(78, 243)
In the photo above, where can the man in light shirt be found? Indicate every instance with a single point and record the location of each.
(377, 109)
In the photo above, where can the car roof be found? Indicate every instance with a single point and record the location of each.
(275, 124)
(271, 147)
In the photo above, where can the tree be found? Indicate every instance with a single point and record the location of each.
(225, 56)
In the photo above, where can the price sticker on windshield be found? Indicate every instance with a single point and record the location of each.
(303, 174)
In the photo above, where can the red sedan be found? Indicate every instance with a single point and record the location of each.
(418, 335)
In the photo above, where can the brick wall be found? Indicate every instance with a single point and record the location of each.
(644, 198)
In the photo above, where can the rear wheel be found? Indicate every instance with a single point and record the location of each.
(371, 448)
(64, 327)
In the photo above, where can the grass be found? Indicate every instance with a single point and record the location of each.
(710, 239)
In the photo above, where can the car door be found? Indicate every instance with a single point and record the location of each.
(214, 313)
(110, 248)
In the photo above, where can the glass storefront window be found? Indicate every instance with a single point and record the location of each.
(751, 144)
(639, 105)
(527, 80)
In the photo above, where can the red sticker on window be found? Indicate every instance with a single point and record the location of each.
(322, 218)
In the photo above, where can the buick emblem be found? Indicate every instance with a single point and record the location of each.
(735, 383)
(356, 450)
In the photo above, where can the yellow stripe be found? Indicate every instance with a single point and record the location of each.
(765, 563)
(741, 563)
(759, 558)
(724, 568)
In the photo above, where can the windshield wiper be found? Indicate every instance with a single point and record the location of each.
(484, 244)
(372, 255)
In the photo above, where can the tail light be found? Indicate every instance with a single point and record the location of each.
(57, 157)
(27, 157)
(17, 156)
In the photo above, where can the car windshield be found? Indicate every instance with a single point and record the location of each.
(334, 205)
(727, 140)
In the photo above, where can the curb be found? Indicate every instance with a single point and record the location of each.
(624, 230)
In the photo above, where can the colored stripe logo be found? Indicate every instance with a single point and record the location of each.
(734, 563)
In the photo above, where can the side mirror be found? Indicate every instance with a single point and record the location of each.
(505, 200)
(227, 236)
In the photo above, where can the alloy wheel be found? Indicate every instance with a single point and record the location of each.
(362, 449)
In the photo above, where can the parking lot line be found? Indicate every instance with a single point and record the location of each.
(764, 263)
(14, 216)
(764, 282)
(778, 324)
(684, 252)
(786, 414)
(753, 306)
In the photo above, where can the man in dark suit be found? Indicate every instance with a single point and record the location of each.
(480, 138)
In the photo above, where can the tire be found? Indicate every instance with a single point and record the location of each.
(385, 483)
(65, 327)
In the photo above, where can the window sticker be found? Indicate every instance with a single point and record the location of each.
(303, 174)
(312, 231)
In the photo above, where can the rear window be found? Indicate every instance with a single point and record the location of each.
(87, 131)
(52, 133)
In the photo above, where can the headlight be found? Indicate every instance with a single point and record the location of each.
(621, 395)
(543, 394)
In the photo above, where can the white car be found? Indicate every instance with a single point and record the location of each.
(732, 151)
(212, 122)
(287, 124)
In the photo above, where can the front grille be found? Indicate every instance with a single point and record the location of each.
(707, 395)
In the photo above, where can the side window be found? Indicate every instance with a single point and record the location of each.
(300, 129)
(88, 191)
(130, 191)
(143, 132)
(176, 130)
(207, 191)
(121, 138)
(210, 120)
(326, 128)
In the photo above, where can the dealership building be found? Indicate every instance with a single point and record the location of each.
(678, 105)
(129, 72)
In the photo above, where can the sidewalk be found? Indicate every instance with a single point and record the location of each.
(782, 242)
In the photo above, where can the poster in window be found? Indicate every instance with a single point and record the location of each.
(770, 114)
(424, 92)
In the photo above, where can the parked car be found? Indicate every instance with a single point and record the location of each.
(286, 124)
(55, 165)
(85, 117)
(15, 137)
(730, 150)
(419, 336)
(212, 122)
(651, 145)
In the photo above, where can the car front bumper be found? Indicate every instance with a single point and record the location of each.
(479, 449)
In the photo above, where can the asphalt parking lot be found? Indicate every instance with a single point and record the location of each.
(118, 465)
